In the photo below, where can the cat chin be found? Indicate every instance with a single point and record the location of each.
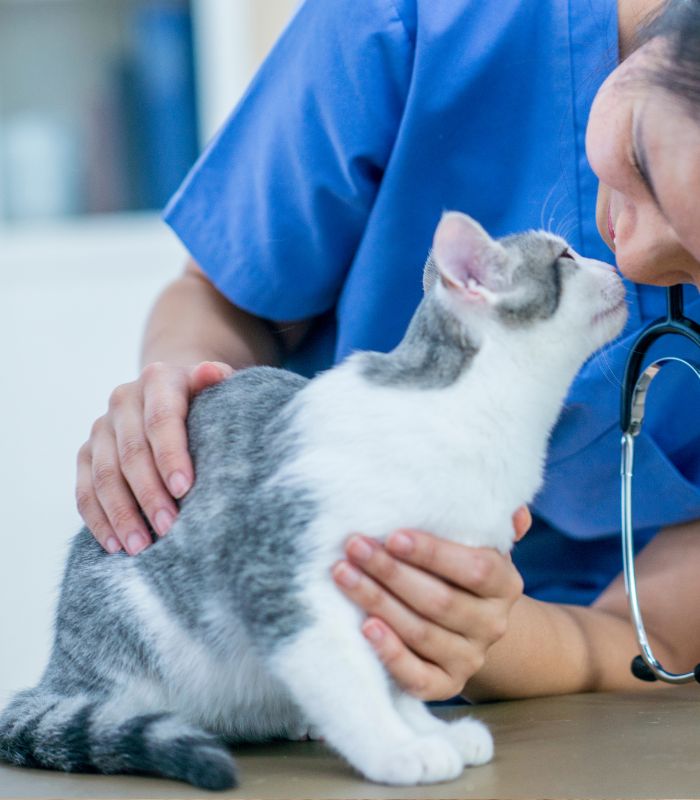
(618, 310)
(610, 321)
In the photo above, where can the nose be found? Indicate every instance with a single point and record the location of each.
(593, 263)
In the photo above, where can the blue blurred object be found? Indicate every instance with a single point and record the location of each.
(163, 120)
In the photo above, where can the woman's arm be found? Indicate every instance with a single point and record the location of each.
(544, 648)
(555, 649)
(192, 321)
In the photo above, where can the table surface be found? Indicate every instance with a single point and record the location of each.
(635, 745)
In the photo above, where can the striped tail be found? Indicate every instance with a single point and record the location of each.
(81, 734)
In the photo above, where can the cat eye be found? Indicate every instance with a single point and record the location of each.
(567, 254)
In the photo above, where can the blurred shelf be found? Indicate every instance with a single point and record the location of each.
(97, 106)
(118, 97)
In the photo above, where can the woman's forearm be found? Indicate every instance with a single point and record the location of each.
(192, 322)
(556, 649)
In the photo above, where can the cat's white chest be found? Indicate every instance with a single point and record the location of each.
(380, 458)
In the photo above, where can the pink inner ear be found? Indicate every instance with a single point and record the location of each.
(463, 250)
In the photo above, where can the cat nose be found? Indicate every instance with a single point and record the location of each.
(593, 262)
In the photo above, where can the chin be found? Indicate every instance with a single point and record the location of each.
(647, 274)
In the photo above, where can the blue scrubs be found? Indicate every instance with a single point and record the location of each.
(319, 196)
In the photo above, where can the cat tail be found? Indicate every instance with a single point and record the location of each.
(84, 734)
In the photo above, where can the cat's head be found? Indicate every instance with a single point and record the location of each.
(527, 284)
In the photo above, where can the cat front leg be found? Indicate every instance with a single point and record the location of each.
(336, 678)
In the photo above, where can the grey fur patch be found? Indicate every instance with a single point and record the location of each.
(538, 278)
(187, 754)
(432, 355)
(82, 654)
(18, 724)
(237, 543)
(253, 533)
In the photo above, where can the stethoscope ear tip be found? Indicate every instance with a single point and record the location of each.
(696, 672)
(644, 673)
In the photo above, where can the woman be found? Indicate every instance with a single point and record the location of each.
(643, 142)
(316, 203)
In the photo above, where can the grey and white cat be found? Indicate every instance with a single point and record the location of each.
(230, 628)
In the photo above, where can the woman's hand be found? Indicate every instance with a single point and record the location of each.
(136, 459)
(434, 607)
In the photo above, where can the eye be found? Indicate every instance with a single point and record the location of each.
(566, 253)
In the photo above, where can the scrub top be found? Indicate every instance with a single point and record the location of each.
(319, 196)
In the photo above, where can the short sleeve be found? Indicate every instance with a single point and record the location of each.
(275, 208)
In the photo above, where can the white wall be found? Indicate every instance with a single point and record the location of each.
(72, 306)
(73, 300)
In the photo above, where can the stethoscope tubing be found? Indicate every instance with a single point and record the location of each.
(633, 401)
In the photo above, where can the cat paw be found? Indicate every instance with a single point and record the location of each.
(304, 732)
(472, 740)
(315, 734)
(425, 759)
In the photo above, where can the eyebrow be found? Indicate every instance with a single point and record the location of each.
(640, 156)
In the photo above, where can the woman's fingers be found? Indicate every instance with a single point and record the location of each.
(89, 506)
(166, 401)
(429, 596)
(141, 475)
(413, 674)
(409, 659)
(480, 570)
(434, 607)
(113, 493)
(207, 374)
(136, 459)
(522, 522)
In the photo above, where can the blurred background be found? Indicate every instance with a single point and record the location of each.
(104, 105)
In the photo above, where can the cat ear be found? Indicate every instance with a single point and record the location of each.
(468, 259)
(430, 273)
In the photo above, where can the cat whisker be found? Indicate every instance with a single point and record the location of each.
(548, 197)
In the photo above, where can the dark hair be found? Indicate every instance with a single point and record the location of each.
(678, 23)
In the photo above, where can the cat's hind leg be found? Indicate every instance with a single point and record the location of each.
(336, 679)
(84, 734)
(470, 737)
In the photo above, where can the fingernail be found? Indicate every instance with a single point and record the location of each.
(346, 575)
(360, 548)
(164, 522)
(401, 543)
(178, 484)
(112, 545)
(373, 632)
(135, 543)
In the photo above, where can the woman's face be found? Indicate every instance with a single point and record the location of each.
(645, 148)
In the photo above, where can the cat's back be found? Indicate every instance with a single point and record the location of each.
(238, 417)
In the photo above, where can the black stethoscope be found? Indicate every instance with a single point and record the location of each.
(634, 394)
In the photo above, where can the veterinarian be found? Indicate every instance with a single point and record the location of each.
(308, 220)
